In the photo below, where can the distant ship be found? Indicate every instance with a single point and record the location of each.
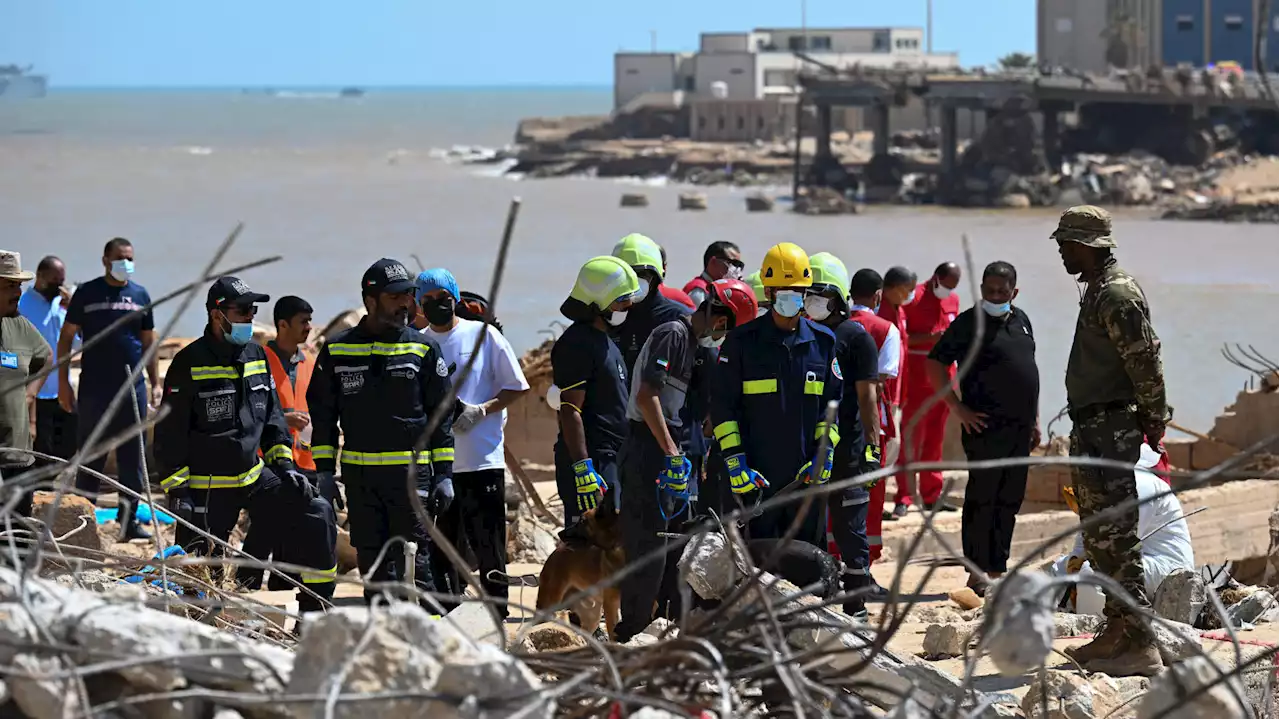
(17, 83)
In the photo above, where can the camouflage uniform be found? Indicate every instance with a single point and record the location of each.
(1116, 395)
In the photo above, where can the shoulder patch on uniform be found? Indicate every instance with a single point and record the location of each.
(442, 369)
(835, 368)
(661, 363)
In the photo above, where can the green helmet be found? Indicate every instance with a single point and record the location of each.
(640, 252)
(1087, 224)
(829, 273)
(757, 284)
(604, 280)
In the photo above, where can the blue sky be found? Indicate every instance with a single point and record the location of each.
(189, 43)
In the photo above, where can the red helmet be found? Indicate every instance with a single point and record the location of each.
(737, 296)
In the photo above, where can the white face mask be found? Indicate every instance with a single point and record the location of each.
(710, 342)
(817, 307)
(734, 273)
(941, 292)
(616, 318)
(788, 303)
(996, 310)
(762, 311)
(121, 270)
(643, 292)
(911, 297)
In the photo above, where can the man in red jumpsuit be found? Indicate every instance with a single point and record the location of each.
(899, 291)
(936, 305)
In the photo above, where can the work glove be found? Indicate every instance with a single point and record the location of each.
(589, 482)
(327, 487)
(180, 504)
(808, 475)
(743, 479)
(468, 417)
(441, 496)
(870, 462)
(299, 482)
(674, 478)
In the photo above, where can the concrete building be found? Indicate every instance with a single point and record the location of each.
(754, 65)
(1096, 35)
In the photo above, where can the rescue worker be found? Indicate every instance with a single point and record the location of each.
(479, 514)
(865, 296)
(721, 259)
(773, 380)
(657, 476)
(291, 369)
(762, 303)
(928, 317)
(899, 291)
(224, 447)
(379, 382)
(652, 308)
(1115, 396)
(589, 390)
(859, 453)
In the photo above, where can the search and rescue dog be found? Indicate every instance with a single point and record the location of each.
(589, 550)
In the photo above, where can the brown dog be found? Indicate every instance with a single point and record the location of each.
(589, 551)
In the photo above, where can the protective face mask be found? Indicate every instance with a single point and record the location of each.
(941, 292)
(817, 307)
(911, 297)
(644, 288)
(616, 318)
(710, 342)
(438, 311)
(761, 311)
(121, 269)
(788, 303)
(238, 333)
(734, 273)
(996, 310)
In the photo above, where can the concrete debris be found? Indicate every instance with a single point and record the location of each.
(692, 201)
(1022, 633)
(1074, 625)
(549, 637)
(944, 641)
(1066, 695)
(823, 201)
(401, 648)
(1170, 689)
(44, 698)
(662, 626)
(936, 614)
(708, 563)
(1181, 596)
(1177, 640)
(476, 621)
(634, 199)
(1251, 607)
(530, 539)
(909, 709)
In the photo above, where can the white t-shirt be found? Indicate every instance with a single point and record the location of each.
(497, 369)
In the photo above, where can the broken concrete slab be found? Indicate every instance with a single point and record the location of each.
(1074, 625)
(1251, 607)
(1169, 692)
(549, 637)
(1181, 596)
(40, 697)
(709, 567)
(1022, 633)
(947, 640)
(1180, 641)
(1065, 695)
(476, 621)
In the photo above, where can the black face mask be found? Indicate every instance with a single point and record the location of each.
(438, 311)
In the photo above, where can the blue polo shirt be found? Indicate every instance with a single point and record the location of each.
(48, 317)
(94, 306)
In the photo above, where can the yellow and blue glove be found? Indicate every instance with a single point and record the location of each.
(591, 486)
(674, 479)
(809, 476)
(743, 479)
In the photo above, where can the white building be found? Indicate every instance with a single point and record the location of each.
(762, 63)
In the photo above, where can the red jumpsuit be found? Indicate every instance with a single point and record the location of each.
(893, 398)
(879, 328)
(926, 315)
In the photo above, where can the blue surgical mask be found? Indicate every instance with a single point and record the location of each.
(788, 303)
(911, 297)
(241, 333)
(996, 310)
(121, 269)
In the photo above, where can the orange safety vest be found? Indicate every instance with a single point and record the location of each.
(293, 398)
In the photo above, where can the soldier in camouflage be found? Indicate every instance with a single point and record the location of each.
(1116, 398)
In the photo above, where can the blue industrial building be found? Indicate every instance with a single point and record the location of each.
(1202, 32)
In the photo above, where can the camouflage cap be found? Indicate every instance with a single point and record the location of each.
(1087, 224)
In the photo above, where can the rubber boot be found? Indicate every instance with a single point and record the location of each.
(1133, 657)
(856, 606)
(1105, 644)
(130, 527)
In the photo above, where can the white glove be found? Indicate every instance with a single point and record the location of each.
(468, 417)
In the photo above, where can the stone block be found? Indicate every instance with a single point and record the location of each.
(476, 621)
(944, 641)
(74, 521)
(1074, 625)
(1181, 596)
(1251, 607)
(1179, 641)
(1065, 695)
(1167, 698)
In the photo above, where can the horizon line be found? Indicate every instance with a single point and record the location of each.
(337, 86)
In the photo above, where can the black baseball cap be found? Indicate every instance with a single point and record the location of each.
(386, 275)
(232, 292)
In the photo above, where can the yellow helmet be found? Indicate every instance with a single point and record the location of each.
(640, 252)
(786, 265)
(757, 286)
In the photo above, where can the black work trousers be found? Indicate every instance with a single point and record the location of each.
(993, 497)
(606, 464)
(55, 429)
(640, 521)
(296, 532)
(92, 405)
(478, 516)
(379, 510)
(849, 528)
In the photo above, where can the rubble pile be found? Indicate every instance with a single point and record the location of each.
(823, 201)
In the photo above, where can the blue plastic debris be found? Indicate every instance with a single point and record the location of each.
(112, 514)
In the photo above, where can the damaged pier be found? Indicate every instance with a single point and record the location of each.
(1032, 120)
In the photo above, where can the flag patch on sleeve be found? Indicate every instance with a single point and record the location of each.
(661, 363)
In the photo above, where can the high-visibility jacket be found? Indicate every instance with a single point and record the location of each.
(293, 398)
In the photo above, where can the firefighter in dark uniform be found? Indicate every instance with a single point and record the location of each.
(773, 380)
(380, 381)
(652, 308)
(225, 447)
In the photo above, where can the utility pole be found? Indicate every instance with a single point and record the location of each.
(928, 26)
(804, 23)
(653, 41)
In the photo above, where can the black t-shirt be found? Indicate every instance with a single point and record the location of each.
(1004, 382)
(858, 357)
(641, 321)
(586, 358)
